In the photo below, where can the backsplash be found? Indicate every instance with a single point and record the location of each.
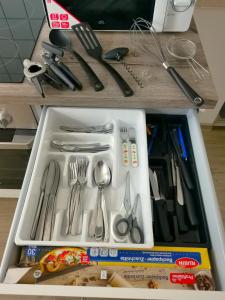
(20, 24)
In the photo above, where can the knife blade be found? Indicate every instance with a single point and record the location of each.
(40, 201)
(48, 187)
(48, 225)
(161, 208)
(180, 212)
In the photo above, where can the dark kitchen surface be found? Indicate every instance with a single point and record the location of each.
(13, 164)
(20, 24)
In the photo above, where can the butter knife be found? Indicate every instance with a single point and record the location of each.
(38, 210)
(48, 187)
(50, 211)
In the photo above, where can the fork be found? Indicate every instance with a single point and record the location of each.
(125, 150)
(72, 170)
(82, 166)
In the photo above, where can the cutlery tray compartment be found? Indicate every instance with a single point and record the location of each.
(114, 192)
(160, 161)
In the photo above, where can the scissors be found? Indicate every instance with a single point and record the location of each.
(129, 224)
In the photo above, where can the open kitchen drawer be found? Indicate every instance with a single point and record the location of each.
(217, 236)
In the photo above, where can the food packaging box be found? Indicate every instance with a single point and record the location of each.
(159, 268)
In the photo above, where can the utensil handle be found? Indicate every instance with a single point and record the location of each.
(125, 88)
(185, 87)
(62, 76)
(94, 80)
(134, 155)
(125, 154)
(75, 221)
(99, 228)
(41, 223)
(37, 216)
(181, 218)
(162, 212)
(105, 217)
(189, 202)
(71, 76)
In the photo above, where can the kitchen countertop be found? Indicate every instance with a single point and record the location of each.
(159, 89)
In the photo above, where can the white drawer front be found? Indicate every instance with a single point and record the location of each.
(214, 223)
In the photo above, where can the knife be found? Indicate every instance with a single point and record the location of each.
(161, 208)
(48, 187)
(182, 164)
(180, 203)
(38, 210)
(50, 211)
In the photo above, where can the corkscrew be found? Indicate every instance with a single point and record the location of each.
(118, 54)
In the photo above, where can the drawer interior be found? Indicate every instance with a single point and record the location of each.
(193, 230)
(211, 232)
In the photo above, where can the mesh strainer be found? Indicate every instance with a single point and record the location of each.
(184, 49)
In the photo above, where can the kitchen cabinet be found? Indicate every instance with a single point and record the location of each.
(217, 252)
(160, 96)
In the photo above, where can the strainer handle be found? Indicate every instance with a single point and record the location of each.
(185, 87)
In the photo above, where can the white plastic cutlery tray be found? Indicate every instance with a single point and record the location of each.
(114, 193)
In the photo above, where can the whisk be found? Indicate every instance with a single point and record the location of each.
(144, 36)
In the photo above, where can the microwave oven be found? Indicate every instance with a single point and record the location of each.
(165, 15)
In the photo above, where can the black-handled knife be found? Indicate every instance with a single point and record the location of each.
(180, 209)
(161, 208)
(182, 164)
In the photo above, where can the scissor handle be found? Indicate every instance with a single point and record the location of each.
(122, 227)
(136, 234)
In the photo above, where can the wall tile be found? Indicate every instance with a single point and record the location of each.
(25, 48)
(20, 29)
(14, 9)
(13, 65)
(36, 26)
(2, 16)
(8, 48)
(34, 9)
(16, 77)
(4, 78)
(4, 29)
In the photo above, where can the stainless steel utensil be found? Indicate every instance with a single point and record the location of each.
(102, 178)
(184, 49)
(145, 37)
(125, 146)
(88, 148)
(133, 147)
(82, 166)
(60, 39)
(72, 175)
(106, 128)
(50, 211)
(93, 48)
(161, 207)
(40, 200)
(48, 188)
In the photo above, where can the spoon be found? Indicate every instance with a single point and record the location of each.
(102, 178)
(60, 39)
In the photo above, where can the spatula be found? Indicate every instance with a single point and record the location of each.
(93, 48)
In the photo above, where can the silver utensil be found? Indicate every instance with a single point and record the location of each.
(133, 147)
(82, 166)
(72, 175)
(48, 187)
(50, 211)
(40, 200)
(102, 178)
(145, 38)
(125, 146)
(106, 128)
(88, 148)
(184, 49)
